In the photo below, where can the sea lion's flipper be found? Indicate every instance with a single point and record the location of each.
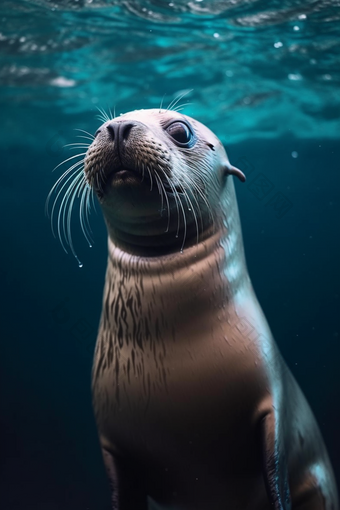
(274, 463)
(126, 483)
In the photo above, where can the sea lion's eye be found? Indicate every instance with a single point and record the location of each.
(180, 132)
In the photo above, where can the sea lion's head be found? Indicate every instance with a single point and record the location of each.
(159, 176)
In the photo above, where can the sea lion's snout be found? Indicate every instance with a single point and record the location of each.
(126, 152)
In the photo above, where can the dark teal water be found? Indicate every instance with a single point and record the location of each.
(264, 76)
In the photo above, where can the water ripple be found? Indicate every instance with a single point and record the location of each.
(257, 68)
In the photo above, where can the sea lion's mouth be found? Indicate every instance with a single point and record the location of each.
(121, 173)
(106, 179)
(128, 175)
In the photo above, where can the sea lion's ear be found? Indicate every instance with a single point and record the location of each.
(232, 170)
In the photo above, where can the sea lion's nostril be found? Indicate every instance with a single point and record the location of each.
(113, 130)
(124, 130)
(119, 131)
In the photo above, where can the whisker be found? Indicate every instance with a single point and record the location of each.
(199, 191)
(192, 183)
(83, 214)
(63, 208)
(69, 159)
(92, 200)
(150, 175)
(160, 188)
(177, 200)
(103, 115)
(73, 195)
(86, 132)
(179, 184)
(86, 138)
(61, 218)
(56, 185)
(80, 145)
(166, 198)
(161, 105)
(178, 98)
(181, 107)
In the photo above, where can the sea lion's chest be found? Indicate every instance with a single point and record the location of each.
(177, 381)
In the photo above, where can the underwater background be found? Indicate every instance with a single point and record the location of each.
(264, 76)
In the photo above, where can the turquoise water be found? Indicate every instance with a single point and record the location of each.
(264, 76)
(257, 69)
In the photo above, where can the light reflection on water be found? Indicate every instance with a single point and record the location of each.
(257, 69)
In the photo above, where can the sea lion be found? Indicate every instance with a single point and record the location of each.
(195, 407)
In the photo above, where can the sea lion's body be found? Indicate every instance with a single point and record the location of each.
(194, 405)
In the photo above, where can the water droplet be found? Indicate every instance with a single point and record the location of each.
(278, 44)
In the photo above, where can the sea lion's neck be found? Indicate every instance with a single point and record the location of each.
(211, 273)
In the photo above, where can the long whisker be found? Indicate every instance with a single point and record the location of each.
(180, 107)
(56, 185)
(86, 138)
(69, 159)
(179, 184)
(178, 98)
(150, 175)
(69, 216)
(86, 132)
(83, 214)
(61, 218)
(199, 191)
(87, 207)
(161, 105)
(192, 209)
(92, 200)
(62, 212)
(103, 115)
(166, 198)
(175, 194)
(80, 145)
(193, 185)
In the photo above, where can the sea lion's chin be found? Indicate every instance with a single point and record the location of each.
(130, 207)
